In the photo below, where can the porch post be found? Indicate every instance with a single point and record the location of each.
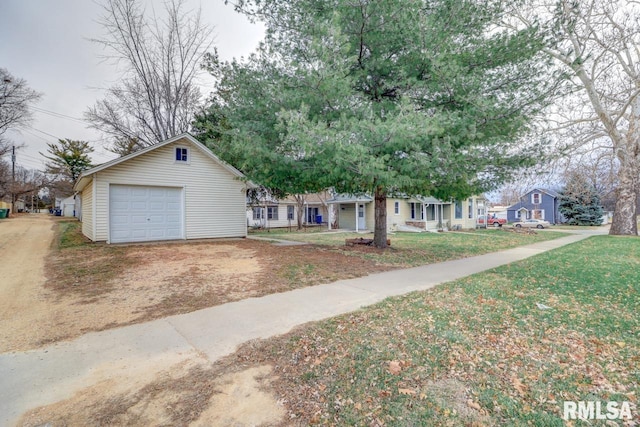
(424, 216)
(357, 216)
(329, 212)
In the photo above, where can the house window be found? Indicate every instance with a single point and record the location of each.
(290, 212)
(536, 198)
(396, 208)
(413, 211)
(272, 212)
(258, 213)
(182, 154)
(458, 209)
(537, 213)
(470, 208)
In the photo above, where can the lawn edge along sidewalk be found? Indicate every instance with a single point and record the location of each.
(50, 374)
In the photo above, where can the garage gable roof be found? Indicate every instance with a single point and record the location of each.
(85, 176)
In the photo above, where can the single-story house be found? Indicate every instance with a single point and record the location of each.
(175, 189)
(425, 213)
(270, 212)
(67, 205)
(536, 204)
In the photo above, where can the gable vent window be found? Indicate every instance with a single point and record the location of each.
(182, 154)
(536, 198)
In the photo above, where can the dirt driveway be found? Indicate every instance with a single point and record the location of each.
(51, 294)
(24, 243)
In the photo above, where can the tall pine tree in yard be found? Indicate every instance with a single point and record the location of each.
(382, 97)
(580, 202)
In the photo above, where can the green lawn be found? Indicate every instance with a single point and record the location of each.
(413, 249)
(477, 351)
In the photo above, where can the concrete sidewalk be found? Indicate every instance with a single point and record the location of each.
(44, 376)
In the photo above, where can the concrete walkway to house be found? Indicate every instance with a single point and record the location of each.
(50, 374)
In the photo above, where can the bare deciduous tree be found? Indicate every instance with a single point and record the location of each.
(157, 97)
(27, 181)
(16, 98)
(597, 41)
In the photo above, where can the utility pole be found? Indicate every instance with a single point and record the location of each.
(13, 178)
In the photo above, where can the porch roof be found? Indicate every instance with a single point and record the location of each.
(350, 198)
(431, 200)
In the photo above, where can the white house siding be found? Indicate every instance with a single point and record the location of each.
(87, 212)
(214, 198)
(281, 222)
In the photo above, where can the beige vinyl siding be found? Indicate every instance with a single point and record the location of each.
(347, 215)
(465, 221)
(282, 220)
(215, 200)
(370, 216)
(87, 211)
(393, 219)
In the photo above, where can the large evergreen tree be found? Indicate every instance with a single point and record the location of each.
(402, 96)
(580, 202)
(66, 160)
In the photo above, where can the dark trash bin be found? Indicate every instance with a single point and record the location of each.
(318, 219)
(4, 213)
(58, 212)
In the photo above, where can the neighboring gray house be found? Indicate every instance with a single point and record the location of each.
(175, 189)
(536, 204)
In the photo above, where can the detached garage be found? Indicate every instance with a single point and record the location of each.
(176, 189)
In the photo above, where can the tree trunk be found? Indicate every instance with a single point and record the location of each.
(628, 153)
(380, 228)
(625, 216)
(300, 214)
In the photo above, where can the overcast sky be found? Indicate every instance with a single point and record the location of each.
(46, 43)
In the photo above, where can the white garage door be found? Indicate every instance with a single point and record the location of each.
(141, 214)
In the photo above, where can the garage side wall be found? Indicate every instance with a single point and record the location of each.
(215, 201)
(87, 212)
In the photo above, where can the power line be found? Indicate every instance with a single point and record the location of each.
(59, 115)
(45, 133)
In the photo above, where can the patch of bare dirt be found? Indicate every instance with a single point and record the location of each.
(167, 392)
(95, 286)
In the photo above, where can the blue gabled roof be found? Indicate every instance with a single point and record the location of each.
(522, 204)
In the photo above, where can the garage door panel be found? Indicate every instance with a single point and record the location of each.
(139, 214)
(120, 236)
(119, 219)
(139, 206)
(119, 205)
(119, 192)
(156, 219)
(173, 219)
(138, 235)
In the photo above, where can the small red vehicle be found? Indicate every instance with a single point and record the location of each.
(492, 221)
